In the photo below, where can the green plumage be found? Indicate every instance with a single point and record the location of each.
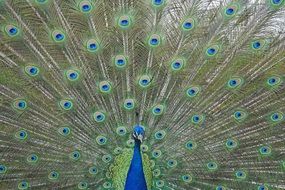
(205, 78)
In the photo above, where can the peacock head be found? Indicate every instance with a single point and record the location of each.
(138, 132)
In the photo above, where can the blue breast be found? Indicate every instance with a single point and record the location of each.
(136, 178)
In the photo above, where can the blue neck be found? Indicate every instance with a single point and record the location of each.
(135, 178)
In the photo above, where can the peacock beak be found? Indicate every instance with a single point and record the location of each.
(140, 137)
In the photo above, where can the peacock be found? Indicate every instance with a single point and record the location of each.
(142, 94)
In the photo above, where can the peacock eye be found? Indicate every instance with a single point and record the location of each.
(276, 2)
(230, 11)
(3, 169)
(172, 163)
(144, 81)
(265, 150)
(41, 1)
(53, 175)
(107, 158)
(235, 82)
(212, 51)
(192, 91)
(231, 144)
(21, 135)
(124, 22)
(188, 24)
(75, 155)
(32, 71)
(121, 131)
(107, 185)
(274, 81)
(105, 87)
(58, 36)
(85, 6)
(129, 104)
(157, 3)
(197, 119)
(120, 61)
(240, 174)
(190, 145)
(93, 170)
(239, 115)
(82, 185)
(186, 178)
(131, 143)
(177, 65)
(154, 40)
(212, 166)
(20, 104)
(101, 140)
(92, 45)
(144, 148)
(66, 104)
(99, 116)
(159, 183)
(23, 185)
(276, 117)
(156, 172)
(257, 44)
(220, 187)
(72, 75)
(157, 110)
(159, 135)
(33, 158)
(262, 187)
(64, 131)
(156, 153)
(11, 30)
(118, 150)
